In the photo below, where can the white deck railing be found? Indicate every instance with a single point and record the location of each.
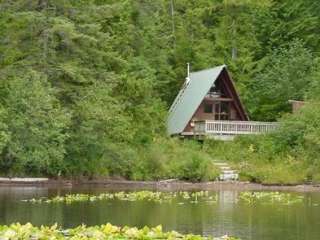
(233, 127)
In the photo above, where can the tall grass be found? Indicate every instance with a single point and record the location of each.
(290, 155)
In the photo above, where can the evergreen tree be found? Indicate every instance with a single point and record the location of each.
(85, 85)
(286, 75)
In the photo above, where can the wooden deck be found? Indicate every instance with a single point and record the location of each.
(213, 127)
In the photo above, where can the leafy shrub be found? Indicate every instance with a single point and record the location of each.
(172, 158)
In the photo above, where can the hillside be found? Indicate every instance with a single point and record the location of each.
(85, 86)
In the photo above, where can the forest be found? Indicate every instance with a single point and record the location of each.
(85, 86)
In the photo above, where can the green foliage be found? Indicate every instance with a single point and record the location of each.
(85, 85)
(173, 159)
(158, 197)
(284, 21)
(287, 74)
(174, 197)
(258, 160)
(270, 198)
(288, 156)
(36, 125)
(98, 123)
(107, 231)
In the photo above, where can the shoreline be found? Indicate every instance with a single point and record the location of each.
(164, 185)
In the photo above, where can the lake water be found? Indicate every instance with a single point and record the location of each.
(257, 221)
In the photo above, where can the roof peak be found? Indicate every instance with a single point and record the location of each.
(189, 98)
(208, 69)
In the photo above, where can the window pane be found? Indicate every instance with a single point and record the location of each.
(217, 108)
(225, 107)
(208, 108)
(225, 110)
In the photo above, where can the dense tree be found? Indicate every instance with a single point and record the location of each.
(85, 85)
(35, 125)
(287, 74)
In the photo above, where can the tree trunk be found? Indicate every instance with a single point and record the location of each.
(234, 43)
(172, 23)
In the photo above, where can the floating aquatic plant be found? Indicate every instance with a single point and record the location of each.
(107, 231)
(270, 197)
(182, 196)
(193, 197)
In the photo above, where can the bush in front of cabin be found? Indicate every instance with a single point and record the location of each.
(174, 159)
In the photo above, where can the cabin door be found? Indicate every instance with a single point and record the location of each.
(222, 110)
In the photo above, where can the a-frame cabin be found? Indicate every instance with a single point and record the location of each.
(208, 104)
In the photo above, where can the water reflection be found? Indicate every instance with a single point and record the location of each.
(227, 216)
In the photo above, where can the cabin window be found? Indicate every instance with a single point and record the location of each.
(222, 111)
(225, 111)
(208, 108)
(214, 91)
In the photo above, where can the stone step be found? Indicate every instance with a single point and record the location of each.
(227, 174)
(225, 168)
(229, 177)
(220, 164)
(229, 171)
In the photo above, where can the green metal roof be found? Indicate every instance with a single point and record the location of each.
(190, 97)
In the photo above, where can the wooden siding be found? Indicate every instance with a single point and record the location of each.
(228, 94)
